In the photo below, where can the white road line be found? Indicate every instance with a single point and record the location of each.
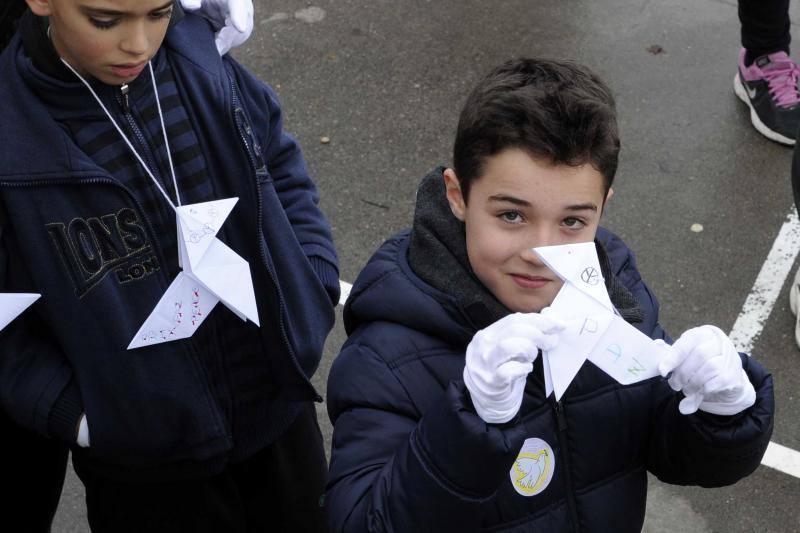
(755, 312)
(750, 322)
(769, 282)
(345, 294)
(782, 458)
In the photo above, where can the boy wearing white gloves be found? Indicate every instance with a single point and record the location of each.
(441, 417)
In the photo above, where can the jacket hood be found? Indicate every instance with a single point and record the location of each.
(421, 277)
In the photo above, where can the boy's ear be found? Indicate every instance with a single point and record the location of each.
(609, 194)
(40, 7)
(453, 192)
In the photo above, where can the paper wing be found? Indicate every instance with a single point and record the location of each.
(177, 315)
(198, 225)
(227, 275)
(586, 321)
(548, 380)
(575, 344)
(578, 264)
(13, 304)
(627, 354)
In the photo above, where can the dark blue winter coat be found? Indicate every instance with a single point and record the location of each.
(152, 409)
(409, 453)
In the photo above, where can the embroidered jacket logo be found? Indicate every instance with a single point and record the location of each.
(90, 248)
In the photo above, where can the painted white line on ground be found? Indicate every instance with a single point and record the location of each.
(751, 320)
(782, 458)
(345, 294)
(769, 282)
(756, 311)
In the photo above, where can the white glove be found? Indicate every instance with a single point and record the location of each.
(706, 367)
(499, 359)
(233, 17)
(83, 433)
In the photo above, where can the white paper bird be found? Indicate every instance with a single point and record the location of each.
(13, 304)
(212, 272)
(593, 329)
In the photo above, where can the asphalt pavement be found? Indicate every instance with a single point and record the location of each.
(384, 80)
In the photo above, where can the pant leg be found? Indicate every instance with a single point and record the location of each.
(208, 505)
(765, 26)
(281, 486)
(32, 469)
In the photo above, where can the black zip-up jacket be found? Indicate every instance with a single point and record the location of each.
(152, 412)
(409, 452)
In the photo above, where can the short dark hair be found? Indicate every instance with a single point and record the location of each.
(554, 110)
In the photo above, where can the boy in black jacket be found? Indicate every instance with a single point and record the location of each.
(105, 131)
(441, 420)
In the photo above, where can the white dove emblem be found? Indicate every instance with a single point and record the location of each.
(531, 469)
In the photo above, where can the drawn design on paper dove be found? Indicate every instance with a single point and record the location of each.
(211, 273)
(533, 469)
(594, 331)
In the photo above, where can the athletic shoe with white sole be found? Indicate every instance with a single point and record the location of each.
(794, 301)
(769, 88)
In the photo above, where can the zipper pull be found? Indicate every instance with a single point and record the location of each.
(126, 104)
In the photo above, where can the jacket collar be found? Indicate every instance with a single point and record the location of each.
(438, 255)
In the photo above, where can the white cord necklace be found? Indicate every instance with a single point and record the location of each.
(128, 142)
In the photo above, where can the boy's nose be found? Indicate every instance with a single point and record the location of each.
(135, 42)
(529, 256)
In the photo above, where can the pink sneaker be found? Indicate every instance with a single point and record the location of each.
(769, 88)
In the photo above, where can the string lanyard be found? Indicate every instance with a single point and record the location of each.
(128, 142)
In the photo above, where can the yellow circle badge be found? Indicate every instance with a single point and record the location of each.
(532, 471)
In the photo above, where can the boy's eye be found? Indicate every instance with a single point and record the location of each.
(103, 24)
(167, 13)
(511, 216)
(573, 223)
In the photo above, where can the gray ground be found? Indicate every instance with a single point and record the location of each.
(384, 80)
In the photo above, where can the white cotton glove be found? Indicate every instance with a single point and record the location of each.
(233, 17)
(499, 359)
(706, 367)
(83, 432)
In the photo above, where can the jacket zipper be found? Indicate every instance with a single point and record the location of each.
(561, 423)
(123, 99)
(124, 91)
(259, 167)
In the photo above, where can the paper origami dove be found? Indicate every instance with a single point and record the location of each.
(212, 272)
(13, 304)
(593, 329)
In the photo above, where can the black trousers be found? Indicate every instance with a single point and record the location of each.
(32, 469)
(278, 489)
(765, 26)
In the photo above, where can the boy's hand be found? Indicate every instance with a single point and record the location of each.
(706, 367)
(499, 359)
(233, 17)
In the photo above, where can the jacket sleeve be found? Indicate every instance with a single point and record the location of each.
(36, 385)
(293, 184)
(702, 448)
(395, 469)
(705, 449)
